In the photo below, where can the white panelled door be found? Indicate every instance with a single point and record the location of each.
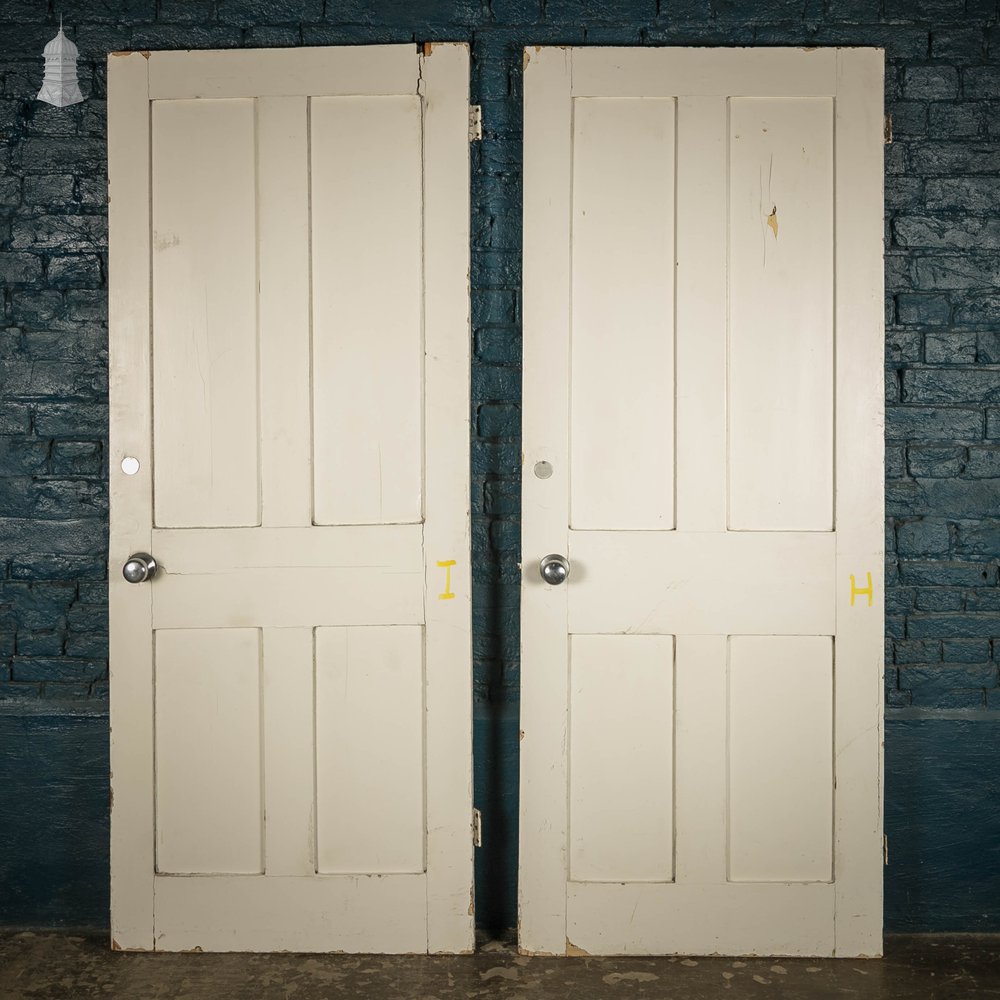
(702, 698)
(291, 690)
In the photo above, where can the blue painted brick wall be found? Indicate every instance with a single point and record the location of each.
(942, 349)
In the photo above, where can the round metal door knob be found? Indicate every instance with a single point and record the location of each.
(140, 566)
(554, 569)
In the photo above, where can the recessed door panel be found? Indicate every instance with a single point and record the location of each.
(780, 758)
(623, 342)
(367, 342)
(621, 758)
(781, 359)
(204, 263)
(209, 816)
(369, 768)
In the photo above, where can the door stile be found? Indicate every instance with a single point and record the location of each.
(447, 514)
(700, 755)
(701, 737)
(284, 335)
(131, 499)
(283, 313)
(288, 720)
(860, 502)
(548, 123)
(701, 251)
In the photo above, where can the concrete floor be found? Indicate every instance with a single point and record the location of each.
(36, 966)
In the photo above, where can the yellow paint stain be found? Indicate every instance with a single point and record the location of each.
(526, 58)
(446, 566)
(772, 221)
(857, 591)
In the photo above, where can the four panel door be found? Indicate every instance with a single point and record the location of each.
(702, 697)
(291, 687)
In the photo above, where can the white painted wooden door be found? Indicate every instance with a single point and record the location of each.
(289, 439)
(702, 699)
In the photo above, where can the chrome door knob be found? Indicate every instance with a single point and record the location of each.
(554, 569)
(141, 566)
